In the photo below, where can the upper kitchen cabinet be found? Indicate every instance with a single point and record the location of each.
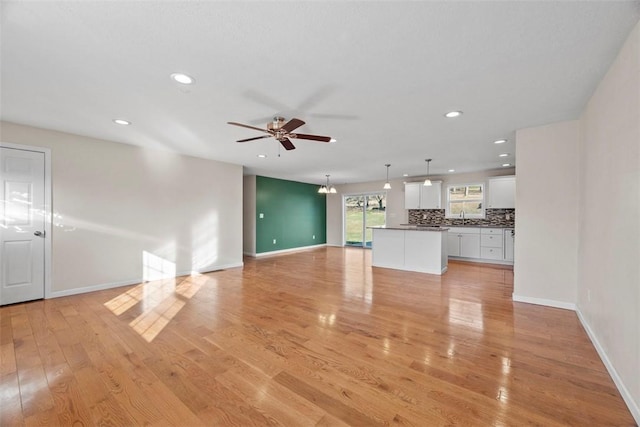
(417, 196)
(412, 195)
(502, 192)
(431, 196)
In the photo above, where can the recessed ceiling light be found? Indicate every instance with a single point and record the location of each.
(405, 174)
(262, 156)
(452, 170)
(506, 164)
(504, 155)
(183, 78)
(121, 122)
(452, 114)
(500, 141)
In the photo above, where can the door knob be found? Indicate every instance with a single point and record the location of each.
(38, 233)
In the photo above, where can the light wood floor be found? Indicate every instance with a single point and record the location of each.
(315, 338)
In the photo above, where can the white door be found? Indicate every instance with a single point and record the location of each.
(22, 225)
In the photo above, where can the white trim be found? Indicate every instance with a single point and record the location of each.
(287, 251)
(626, 395)
(104, 286)
(483, 201)
(481, 260)
(253, 254)
(48, 210)
(546, 302)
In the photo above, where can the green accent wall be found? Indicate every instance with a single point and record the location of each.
(293, 212)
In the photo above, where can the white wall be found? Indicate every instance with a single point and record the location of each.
(249, 215)
(578, 225)
(123, 212)
(609, 251)
(396, 213)
(546, 245)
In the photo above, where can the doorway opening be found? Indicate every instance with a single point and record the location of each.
(360, 212)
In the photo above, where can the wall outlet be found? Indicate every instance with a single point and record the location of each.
(274, 241)
(261, 215)
(314, 237)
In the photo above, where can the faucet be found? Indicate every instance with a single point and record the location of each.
(462, 215)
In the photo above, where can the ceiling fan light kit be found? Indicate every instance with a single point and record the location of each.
(283, 132)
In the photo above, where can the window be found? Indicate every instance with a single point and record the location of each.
(467, 198)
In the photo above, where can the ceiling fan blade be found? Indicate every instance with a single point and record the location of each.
(292, 124)
(253, 139)
(287, 144)
(311, 137)
(247, 126)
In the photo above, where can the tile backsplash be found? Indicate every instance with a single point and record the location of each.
(497, 217)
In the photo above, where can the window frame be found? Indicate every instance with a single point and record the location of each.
(483, 201)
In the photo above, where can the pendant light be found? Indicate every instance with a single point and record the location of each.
(427, 181)
(387, 186)
(327, 189)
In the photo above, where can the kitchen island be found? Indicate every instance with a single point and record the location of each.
(410, 248)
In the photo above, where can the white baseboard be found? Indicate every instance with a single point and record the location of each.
(634, 407)
(288, 251)
(481, 260)
(104, 286)
(547, 302)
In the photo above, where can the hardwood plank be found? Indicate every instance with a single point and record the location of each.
(10, 406)
(288, 341)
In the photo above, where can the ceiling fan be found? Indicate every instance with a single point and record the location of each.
(283, 132)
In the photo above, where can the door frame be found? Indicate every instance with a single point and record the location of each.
(344, 215)
(48, 216)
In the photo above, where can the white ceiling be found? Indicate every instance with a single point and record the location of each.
(377, 76)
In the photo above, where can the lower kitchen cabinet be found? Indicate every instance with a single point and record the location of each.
(464, 242)
(481, 244)
(491, 243)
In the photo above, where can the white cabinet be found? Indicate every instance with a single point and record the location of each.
(502, 192)
(417, 196)
(482, 243)
(470, 246)
(464, 242)
(412, 195)
(412, 250)
(491, 243)
(431, 196)
(509, 240)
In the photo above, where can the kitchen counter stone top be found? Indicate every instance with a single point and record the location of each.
(410, 227)
(456, 226)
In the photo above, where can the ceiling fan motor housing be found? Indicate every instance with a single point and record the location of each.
(276, 123)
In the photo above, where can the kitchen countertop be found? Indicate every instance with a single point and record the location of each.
(456, 226)
(410, 227)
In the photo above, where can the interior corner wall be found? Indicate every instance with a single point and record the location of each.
(249, 215)
(289, 215)
(609, 251)
(546, 243)
(123, 214)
